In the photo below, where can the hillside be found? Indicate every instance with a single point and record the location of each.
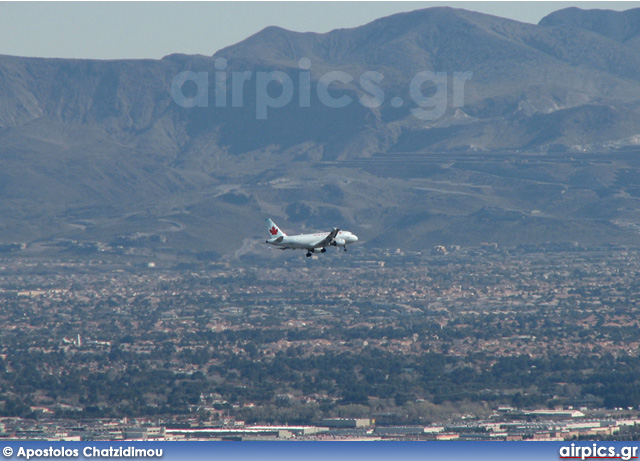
(520, 134)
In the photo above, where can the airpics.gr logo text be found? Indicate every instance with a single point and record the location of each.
(596, 451)
(429, 92)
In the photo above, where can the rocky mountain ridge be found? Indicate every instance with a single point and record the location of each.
(530, 125)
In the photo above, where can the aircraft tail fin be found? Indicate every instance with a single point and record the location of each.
(274, 230)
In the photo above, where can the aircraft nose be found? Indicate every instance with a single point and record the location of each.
(355, 237)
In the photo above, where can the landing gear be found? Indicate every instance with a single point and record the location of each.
(324, 250)
(345, 248)
(308, 254)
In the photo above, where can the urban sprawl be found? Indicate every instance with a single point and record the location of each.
(452, 343)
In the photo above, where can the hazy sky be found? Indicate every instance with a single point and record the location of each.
(115, 30)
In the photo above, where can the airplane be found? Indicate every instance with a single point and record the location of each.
(309, 242)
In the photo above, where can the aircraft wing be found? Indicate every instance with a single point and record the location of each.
(329, 238)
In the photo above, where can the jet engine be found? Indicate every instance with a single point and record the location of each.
(338, 242)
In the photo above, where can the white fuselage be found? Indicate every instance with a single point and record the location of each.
(309, 242)
(313, 241)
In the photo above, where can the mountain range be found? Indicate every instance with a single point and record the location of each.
(434, 127)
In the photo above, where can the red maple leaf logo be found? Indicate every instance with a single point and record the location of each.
(273, 231)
